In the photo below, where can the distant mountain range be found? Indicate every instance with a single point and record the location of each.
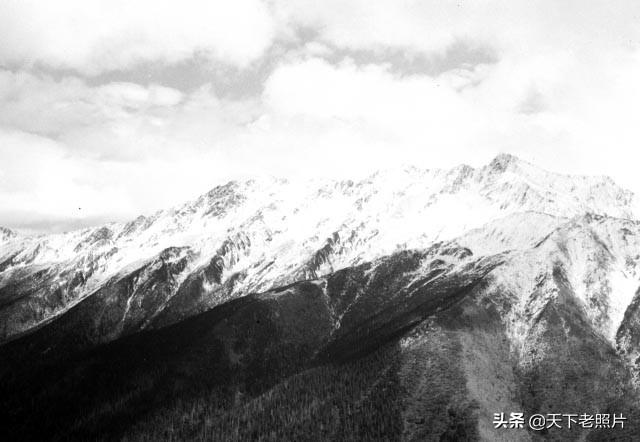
(411, 305)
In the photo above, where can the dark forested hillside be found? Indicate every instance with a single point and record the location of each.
(410, 347)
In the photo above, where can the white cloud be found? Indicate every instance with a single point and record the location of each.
(416, 116)
(66, 107)
(562, 92)
(40, 180)
(92, 36)
(511, 26)
(133, 95)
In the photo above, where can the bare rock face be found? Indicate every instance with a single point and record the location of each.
(412, 305)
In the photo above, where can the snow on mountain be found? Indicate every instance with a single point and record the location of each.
(592, 259)
(476, 290)
(6, 234)
(251, 236)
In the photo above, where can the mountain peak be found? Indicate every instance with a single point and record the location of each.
(503, 161)
(6, 233)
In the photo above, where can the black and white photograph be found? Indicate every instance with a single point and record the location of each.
(338, 220)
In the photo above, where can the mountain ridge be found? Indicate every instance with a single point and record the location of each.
(443, 295)
(246, 222)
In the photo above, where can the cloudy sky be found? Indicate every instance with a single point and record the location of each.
(113, 108)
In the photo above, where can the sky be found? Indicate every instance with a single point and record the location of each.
(110, 109)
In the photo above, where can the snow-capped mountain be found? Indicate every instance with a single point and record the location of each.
(251, 236)
(453, 294)
(6, 234)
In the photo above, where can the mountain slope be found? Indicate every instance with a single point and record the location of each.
(412, 305)
(414, 346)
(252, 236)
